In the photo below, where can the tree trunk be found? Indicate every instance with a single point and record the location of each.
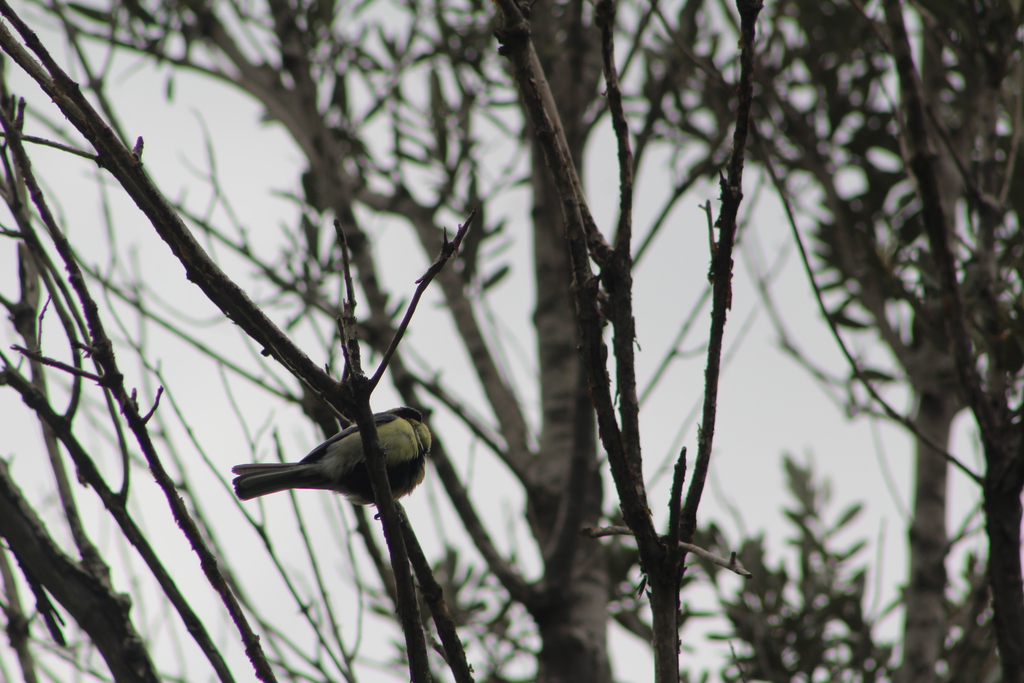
(925, 625)
(1002, 524)
(564, 489)
(573, 619)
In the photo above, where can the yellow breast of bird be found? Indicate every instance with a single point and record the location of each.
(397, 437)
(399, 441)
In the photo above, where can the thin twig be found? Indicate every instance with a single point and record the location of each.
(512, 581)
(617, 278)
(87, 470)
(113, 379)
(923, 161)
(360, 389)
(433, 595)
(833, 326)
(448, 250)
(721, 264)
(1004, 477)
(17, 628)
(605, 11)
(458, 408)
(538, 101)
(732, 564)
(56, 145)
(676, 498)
(54, 363)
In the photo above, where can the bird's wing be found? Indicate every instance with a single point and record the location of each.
(321, 450)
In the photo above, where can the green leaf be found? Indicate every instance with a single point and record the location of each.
(851, 551)
(497, 277)
(848, 516)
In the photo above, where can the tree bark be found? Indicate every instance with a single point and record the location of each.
(573, 619)
(564, 488)
(1002, 524)
(925, 618)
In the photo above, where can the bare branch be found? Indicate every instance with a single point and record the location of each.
(113, 379)
(448, 250)
(94, 605)
(54, 363)
(732, 564)
(858, 372)
(433, 594)
(721, 264)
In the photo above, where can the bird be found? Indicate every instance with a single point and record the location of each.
(338, 464)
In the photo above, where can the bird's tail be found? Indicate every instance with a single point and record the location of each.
(260, 479)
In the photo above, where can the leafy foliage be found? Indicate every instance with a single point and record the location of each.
(809, 626)
(830, 115)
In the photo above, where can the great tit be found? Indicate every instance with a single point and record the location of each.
(338, 464)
